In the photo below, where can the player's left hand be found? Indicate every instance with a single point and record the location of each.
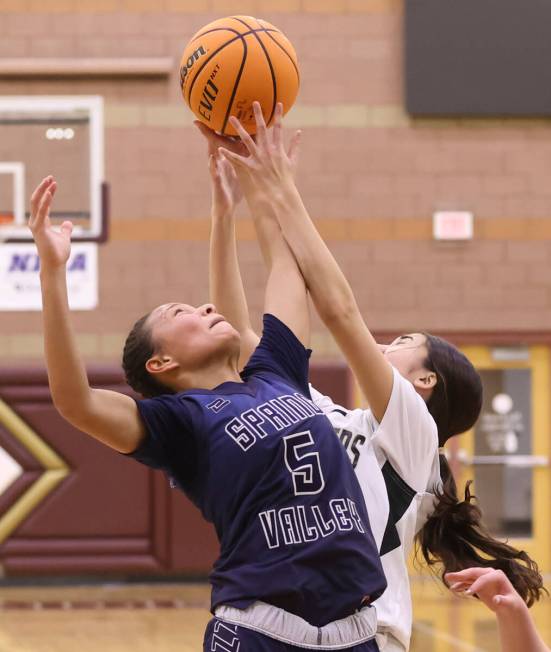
(216, 140)
(226, 190)
(491, 586)
(268, 164)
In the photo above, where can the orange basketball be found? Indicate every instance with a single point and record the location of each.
(232, 62)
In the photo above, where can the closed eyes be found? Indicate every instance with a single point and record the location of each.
(403, 339)
(182, 308)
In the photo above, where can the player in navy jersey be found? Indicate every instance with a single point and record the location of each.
(421, 390)
(298, 565)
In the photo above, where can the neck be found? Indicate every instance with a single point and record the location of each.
(210, 377)
(210, 381)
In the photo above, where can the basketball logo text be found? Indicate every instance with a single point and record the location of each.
(187, 65)
(210, 93)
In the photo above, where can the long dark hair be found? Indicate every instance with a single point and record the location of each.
(138, 348)
(454, 536)
(456, 399)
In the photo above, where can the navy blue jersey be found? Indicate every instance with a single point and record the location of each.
(262, 462)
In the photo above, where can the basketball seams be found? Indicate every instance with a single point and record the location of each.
(242, 22)
(236, 84)
(234, 33)
(279, 46)
(200, 69)
(274, 81)
(210, 31)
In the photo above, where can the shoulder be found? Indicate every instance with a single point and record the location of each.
(281, 354)
(167, 409)
(324, 403)
(408, 410)
(163, 402)
(404, 392)
(358, 419)
(169, 440)
(407, 435)
(276, 332)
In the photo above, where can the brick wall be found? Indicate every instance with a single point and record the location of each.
(369, 174)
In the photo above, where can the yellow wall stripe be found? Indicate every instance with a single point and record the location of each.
(19, 511)
(30, 440)
(332, 229)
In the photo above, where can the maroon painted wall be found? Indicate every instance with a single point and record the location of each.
(110, 515)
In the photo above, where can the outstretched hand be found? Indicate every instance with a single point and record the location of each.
(226, 191)
(267, 163)
(54, 245)
(216, 140)
(491, 586)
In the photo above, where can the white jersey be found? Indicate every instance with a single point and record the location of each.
(396, 462)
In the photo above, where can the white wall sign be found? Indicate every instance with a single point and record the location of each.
(453, 225)
(20, 282)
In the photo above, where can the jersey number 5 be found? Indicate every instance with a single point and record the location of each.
(304, 466)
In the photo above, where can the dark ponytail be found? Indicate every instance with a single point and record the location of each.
(455, 537)
(456, 399)
(138, 348)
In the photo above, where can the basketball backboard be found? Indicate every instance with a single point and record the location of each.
(59, 135)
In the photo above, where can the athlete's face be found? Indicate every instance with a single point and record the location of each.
(193, 337)
(408, 354)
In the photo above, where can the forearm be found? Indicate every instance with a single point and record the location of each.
(269, 188)
(226, 284)
(66, 372)
(286, 295)
(270, 238)
(517, 630)
(331, 294)
(328, 286)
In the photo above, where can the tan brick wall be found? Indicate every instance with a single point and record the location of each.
(371, 175)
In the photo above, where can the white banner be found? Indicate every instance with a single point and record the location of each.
(20, 282)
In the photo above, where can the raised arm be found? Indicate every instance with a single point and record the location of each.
(226, 285)
(270, 181)
(286, 295)
(108, 416)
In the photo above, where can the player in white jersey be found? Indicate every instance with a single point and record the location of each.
(427, 393)
(398, 468)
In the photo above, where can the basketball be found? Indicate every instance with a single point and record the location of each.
(230, 63)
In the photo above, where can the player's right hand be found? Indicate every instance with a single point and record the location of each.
(269, 165)
(53, 244)
(491, 586)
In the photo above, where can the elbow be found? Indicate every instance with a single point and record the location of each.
(60, 402)
(339, 324)
(334, 302)
(336, 310)
(71, 408)
(67, 410)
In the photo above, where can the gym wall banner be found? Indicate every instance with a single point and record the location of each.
(20, 282)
